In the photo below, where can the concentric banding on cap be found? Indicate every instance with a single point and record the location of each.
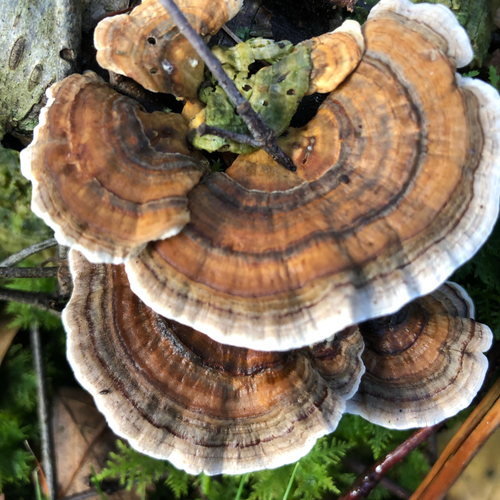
(148, 47)
(174, 393)
(107, 176)
(397, 185)
(424, 363)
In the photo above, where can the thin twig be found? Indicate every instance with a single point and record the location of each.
(28, 272)
(38, 470)
(43, 413)
(44, 301)
(205, 129)
(397, 490)
(363, 486)
(26, 252)
(235, 37)
(265, 136)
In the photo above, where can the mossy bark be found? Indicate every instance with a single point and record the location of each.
(40, 43)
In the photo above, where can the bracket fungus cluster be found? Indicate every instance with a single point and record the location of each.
(175, 393)
(392, 193)
(423, 363)
(230, 339)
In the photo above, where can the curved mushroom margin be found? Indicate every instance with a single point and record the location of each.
(439, 19)
(146, 44)
(79, 162)
(274, 429)
(424, 364)
(390, 288)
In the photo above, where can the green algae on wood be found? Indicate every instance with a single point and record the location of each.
(40, 42)
(274, 91)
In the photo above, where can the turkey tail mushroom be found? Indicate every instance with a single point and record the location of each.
(107, 176)
(147, 46)
(175, 394)
(397, 184)
(424, 363)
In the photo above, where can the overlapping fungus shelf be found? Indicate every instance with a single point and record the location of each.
(107, 176)
(424, 363)
(397, 184)
(147, 46)
(175, 393)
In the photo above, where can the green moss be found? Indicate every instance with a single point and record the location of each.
(19, 227)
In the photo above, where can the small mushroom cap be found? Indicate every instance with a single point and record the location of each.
(175, 393)
(107, 176)
(423, 363)
(398, 183)
(334, 56)
(147, 46)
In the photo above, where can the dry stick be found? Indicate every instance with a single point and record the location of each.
(28, 272)
(363, 486)
(235, 37)
(205, 129)
(43, 413)
(473, 433)
(26, 252)
(397, 490)
(44, 301)
(264, 136)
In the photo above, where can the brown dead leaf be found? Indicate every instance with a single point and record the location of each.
(7, 335)
(81, 439)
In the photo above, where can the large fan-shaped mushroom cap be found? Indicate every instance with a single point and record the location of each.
(423, 363)
(175, 393)
(147, 46)
(107, 176)
(397, 185)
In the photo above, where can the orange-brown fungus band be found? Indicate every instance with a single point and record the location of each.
(397, 184)
(147, 46)
(107, 176)
(175, 393)
(424, 363)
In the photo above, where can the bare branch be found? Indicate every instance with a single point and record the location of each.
(397, 490)
(43, 413)
(44, 301)
(235, 38)
(28, 272)
(205, 129)
(363, 486)
(26, 252)
(262, 134)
